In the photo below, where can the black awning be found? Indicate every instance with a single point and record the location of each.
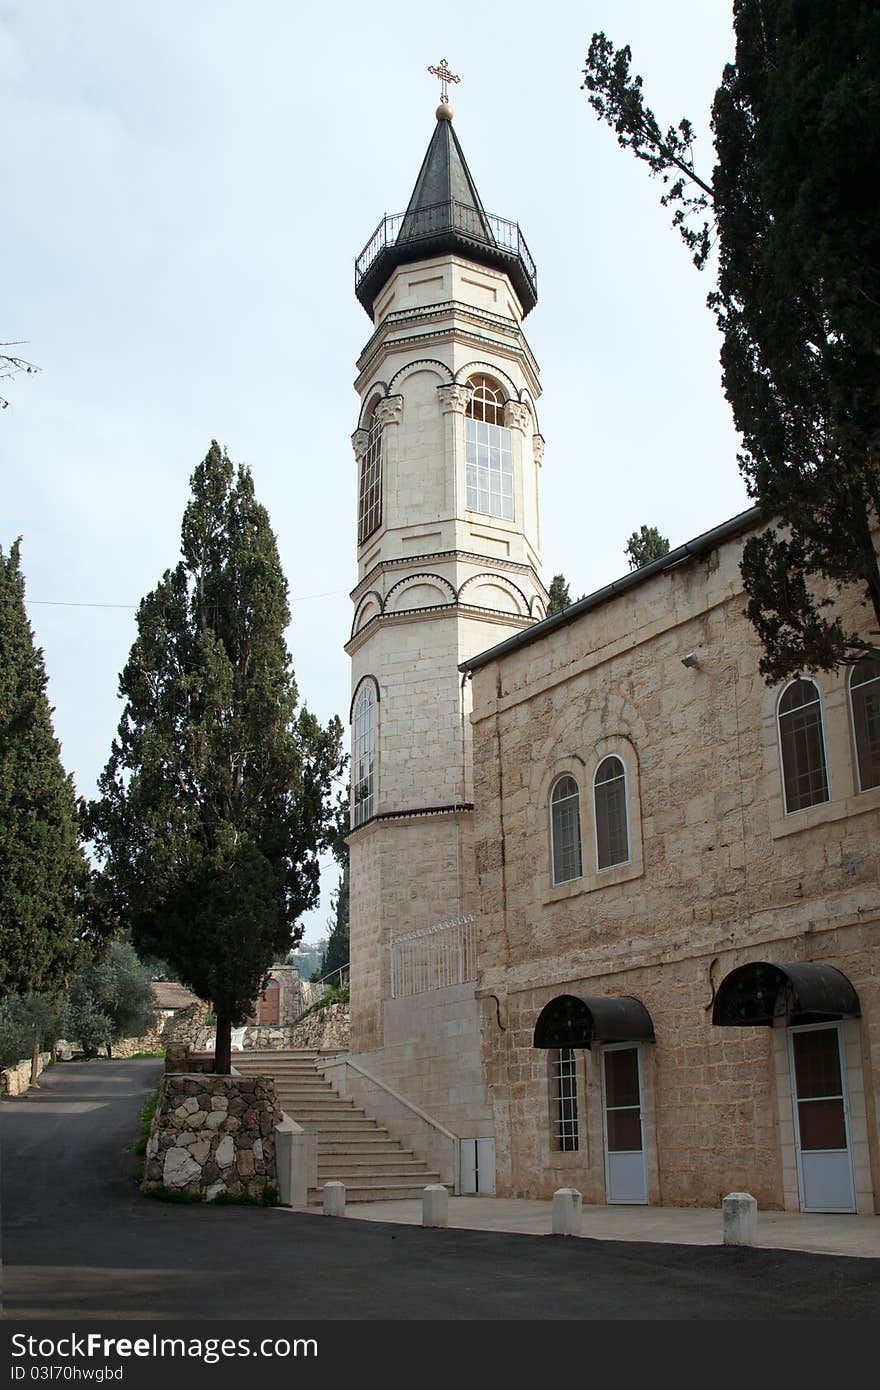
(569, 1021)
(758, 994)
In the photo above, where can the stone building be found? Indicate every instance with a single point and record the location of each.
(678, 902)
(614, 902)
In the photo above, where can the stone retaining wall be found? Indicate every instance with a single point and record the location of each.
(214, 1134)
(14, 1081)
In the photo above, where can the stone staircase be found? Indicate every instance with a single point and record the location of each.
(352, 1147)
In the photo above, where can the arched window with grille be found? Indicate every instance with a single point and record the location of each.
(363, 754)
(612, 819)
(864, 695)
(802, 746)
(565, 830)
(488, 451)
(370, 487)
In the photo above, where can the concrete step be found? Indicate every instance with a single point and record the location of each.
(367, 1163)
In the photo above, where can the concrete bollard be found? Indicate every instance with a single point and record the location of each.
(334, 1198)
(567, 1212)
(739, 1218)
(435, 1206)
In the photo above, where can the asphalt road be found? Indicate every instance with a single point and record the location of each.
(79, 1241)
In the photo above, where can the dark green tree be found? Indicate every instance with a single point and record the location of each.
(109, 999)
(559, 598)
(45, 898)
(337, 953)
(645, 545)
(217, 797)
(794, 209)
(29, 1024)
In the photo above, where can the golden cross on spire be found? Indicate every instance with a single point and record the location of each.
(445, 75)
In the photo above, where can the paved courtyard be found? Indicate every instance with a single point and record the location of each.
(79, 1241)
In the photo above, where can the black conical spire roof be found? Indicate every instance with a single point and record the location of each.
(445, 196)
(445, 214)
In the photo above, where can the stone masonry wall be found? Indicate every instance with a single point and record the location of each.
(14, 1081)
(718, 875)
(213, 1135)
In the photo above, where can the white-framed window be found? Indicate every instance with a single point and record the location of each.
(612, 819)
(802, 746)
(488, 451)
(564, 1098)
(370, 490)
(565, 829)
(864, 696)
(363, 754)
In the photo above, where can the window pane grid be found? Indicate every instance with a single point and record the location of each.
(370, 498)
(565, 830)
(804, 776)
(564, 1088)
(362, 756)
(612, 831)
(488, 453)
(865, 697)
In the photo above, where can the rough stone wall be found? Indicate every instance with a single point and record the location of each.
(326, 1028)
(14, 1081)
(213, 1135)
(186, 1026)
(718, 875)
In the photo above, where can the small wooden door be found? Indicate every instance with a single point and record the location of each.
(824, 1148)
(270, 1003)
(626, 1175)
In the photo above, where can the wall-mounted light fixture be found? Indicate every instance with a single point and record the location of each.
(692, 661)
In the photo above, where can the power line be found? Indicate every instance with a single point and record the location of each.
(69, 603)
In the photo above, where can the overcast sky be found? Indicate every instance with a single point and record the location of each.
(187, 184)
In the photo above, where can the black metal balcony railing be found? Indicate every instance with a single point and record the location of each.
(461, 218)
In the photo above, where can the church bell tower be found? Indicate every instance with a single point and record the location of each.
(448, 457)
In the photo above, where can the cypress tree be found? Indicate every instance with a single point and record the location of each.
(794, 202)
(216, 799)
(44, 875)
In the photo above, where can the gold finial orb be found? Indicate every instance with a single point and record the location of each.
(444, 111)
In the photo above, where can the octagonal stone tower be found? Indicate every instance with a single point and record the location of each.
(448, 455)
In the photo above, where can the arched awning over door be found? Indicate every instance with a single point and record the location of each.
(759, 994)
(569, 1021)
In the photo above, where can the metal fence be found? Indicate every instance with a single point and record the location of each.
(434, 958)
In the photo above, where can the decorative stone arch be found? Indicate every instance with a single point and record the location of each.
(527, 399)
(411, 580)
(463, 375)
(502, 581)
(377, 392)
(537, 608)
(420, 365)
(373, 596)
(371, 679)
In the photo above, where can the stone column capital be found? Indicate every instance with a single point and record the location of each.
(516, 416)
(359, 441)
(538, 447)
(389, 411)
(453, 398)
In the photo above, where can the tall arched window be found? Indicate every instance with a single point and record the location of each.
(370, 492)
(363, 746)
(564, 1098)
(565, 830)
(802, 746)
(488, 451)
(864, 694)
(612, 823)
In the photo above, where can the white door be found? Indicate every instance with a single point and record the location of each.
(626, 1177)
(824, 1151)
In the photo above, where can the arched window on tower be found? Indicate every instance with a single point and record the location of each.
(363, 754)
(864, 694)
(565, 830)
(488, 451)
(802, 746)
(370, 490)
(612, 822)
